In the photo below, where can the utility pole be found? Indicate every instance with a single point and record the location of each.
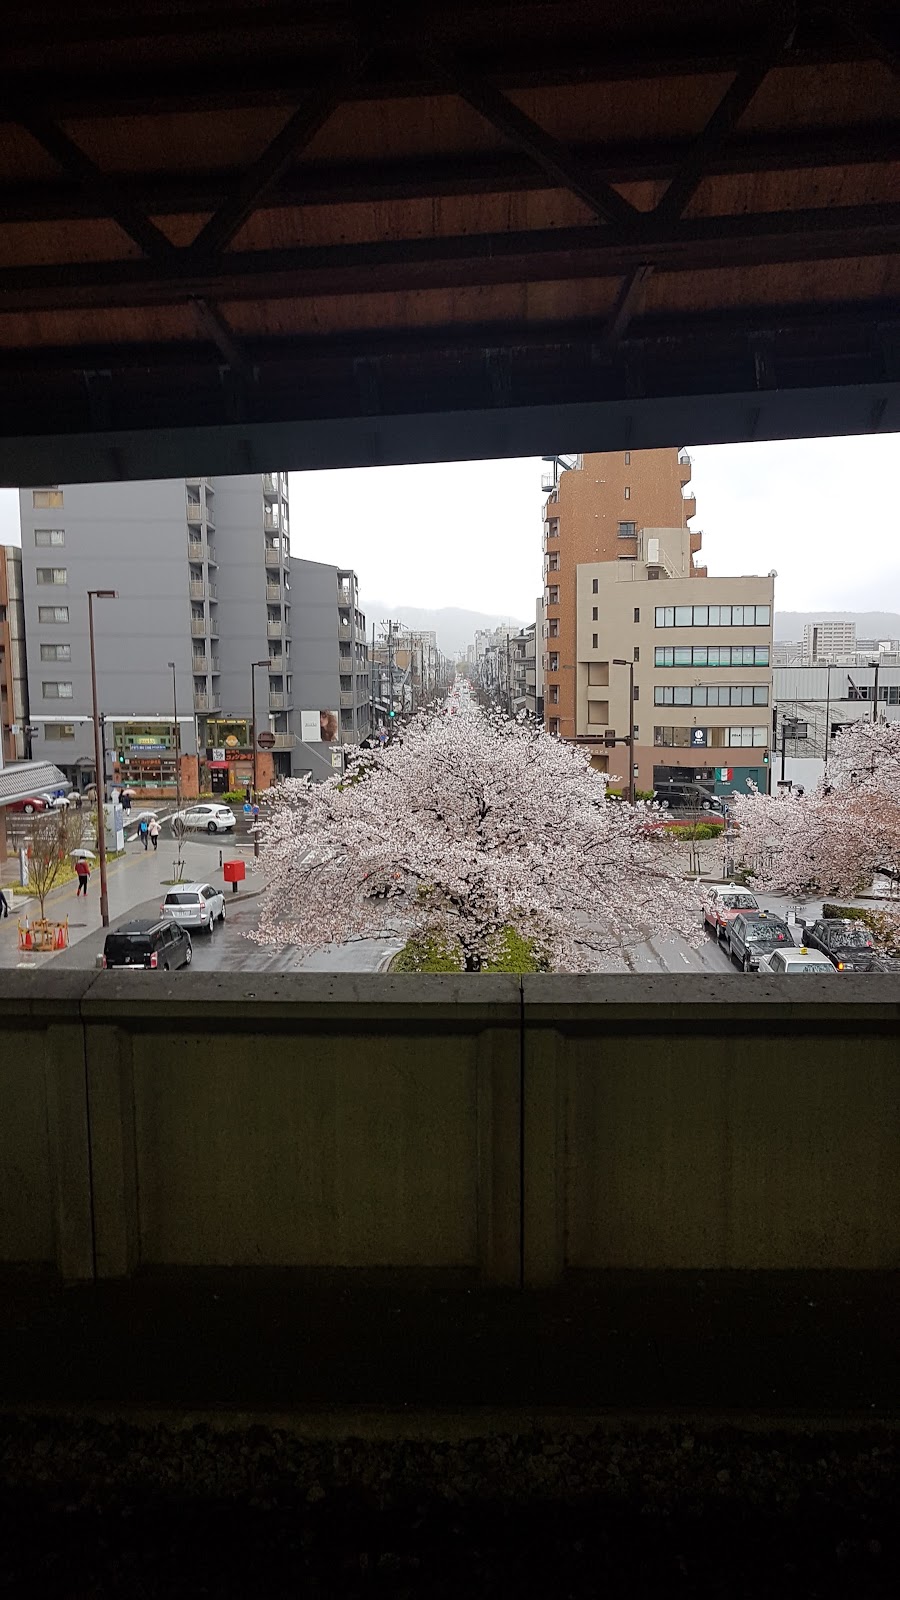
(253, 667)
(509, 695)
(876, 665)
(372, 685)
(177, 756)
(92, 595)
(619, 662)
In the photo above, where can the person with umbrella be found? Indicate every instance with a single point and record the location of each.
(83, 873)
(153, 830)
(125, 798)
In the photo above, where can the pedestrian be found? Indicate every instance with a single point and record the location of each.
(4, 905)
(153, 831)
(126, 801)
(82, 872)
(144, 832)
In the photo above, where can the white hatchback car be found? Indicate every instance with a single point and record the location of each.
(194, 905)
(215, 819)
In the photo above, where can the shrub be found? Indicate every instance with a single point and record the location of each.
(427, 954)
(692, 831)
(514, 953)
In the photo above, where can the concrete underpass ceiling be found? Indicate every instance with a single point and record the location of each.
(325, 234)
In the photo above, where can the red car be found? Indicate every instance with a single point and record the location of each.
(722, 903)
(29, 805)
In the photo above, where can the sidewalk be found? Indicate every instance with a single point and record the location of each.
(135, 881)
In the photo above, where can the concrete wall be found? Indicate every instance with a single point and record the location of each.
(316, 1121)
(316, 655)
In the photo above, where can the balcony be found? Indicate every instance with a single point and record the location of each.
(200, 664)
(198, 550)
(274, 555)
(278, 700)
(200, 590)
(206, 702)
(274, 630)
(270, 483)
(278, 663)
(194, 511)
(198, 627)
(273, 591)
(551, 532)
(348, 698)
(345, 598)
(271, 521)
(690, 505)
(285, 741)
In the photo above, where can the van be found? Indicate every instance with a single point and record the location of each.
(160, 945)
(688, 797)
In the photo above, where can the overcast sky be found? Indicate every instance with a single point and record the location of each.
(825, 513)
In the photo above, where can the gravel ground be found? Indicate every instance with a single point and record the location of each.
(90, 1509)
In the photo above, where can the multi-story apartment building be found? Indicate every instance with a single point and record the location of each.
(827, 641)
(813, 704)
(623, 596)
(14, 736)
(201, 573)
(330, 666)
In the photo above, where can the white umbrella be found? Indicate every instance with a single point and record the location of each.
(140, 815)
(82, 855)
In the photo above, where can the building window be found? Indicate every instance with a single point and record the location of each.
(59, 730)
(594, 613)
(637, 613)
(756, 737)
(53, 613)
(56, 652)
(554, 628)
(42, 499)
(637, 652)
(628, 458)
(554, 725)
(554, 694)
(711, 694)
(594, 637)
(595, 586)
(56, 691)
(627, 493)
(47, 536)
(553, 663)
(712, 655)
(637, 692)
(627, 530)
(713, 616)
(52, 575)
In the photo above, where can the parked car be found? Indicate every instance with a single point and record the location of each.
(194, 905)
(30, 804)
(797, 959)
(688, 797)
(160, 945)
(722, 902)
(752, 934)
(215, 819)
(847, 943)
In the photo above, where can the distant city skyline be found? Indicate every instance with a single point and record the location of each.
(468, 534)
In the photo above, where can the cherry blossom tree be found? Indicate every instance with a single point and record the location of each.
(471, 825)
(836, 837)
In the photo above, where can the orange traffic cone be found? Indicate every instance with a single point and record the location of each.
(59, 942)
(28, 942)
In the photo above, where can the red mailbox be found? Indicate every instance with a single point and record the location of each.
(234, 872)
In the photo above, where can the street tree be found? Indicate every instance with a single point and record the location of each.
(54, 835)
(836, 837)
(472, 826)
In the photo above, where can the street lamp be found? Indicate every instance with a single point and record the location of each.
(618, 662)
(253, 667)
(92, 595)
(177, 754)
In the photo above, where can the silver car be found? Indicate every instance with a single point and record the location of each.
(215, 819)
(194, 905)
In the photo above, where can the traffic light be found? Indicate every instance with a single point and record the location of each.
(766, 758)
(609, 739)
(392, 713)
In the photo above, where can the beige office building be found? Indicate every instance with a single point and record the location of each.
(701, 649)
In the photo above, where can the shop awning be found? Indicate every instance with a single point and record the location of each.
(22, 778)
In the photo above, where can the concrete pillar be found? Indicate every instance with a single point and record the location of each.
(544, 1157)
(69, 1149)
(113, 1158)
(498, 1089)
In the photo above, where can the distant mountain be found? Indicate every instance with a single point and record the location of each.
(869, 624)
(455, 628)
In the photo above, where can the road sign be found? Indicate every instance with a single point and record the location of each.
(266, 741)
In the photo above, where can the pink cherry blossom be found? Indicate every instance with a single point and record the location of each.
(467, 824)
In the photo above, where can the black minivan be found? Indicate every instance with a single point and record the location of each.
(157, 945)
